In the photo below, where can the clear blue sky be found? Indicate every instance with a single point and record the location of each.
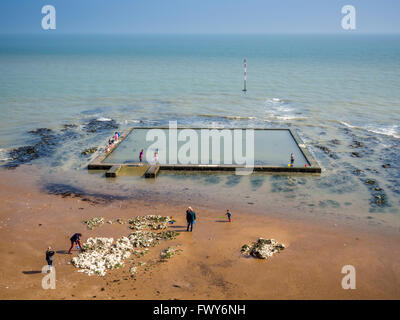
(199, 16)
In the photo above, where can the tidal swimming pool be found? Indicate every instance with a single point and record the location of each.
(188, 146)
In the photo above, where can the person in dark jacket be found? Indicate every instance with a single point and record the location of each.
(190, 218)
(76, 238)
(229, 215)
(49, 257)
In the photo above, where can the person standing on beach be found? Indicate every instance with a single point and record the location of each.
(229, 214)
(76, 238)
(190, 218)
(141, 156)
(291, 159)
(50, 257)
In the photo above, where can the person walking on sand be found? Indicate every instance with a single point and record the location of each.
(229, 215)
(76, 238)
(50, 257)
(141, 157)
(190, 218)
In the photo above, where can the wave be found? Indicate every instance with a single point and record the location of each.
(348, 125)
(103, 119)
(392, 131)
(278, 109)
(227, 117)
(4, 155)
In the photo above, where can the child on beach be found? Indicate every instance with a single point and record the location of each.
(76, 238)
(50, 257)
(229, 215)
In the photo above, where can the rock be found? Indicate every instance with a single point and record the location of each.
(100, 254)
(133, 270)
(386, 165)
(154, 222)
(327, 151)
(168, 253)
(380, 199)
(94, 223)
(98, 125)
(369, 181)
(335, 141)
(357, 144)
(89, 151)
(263, 248)
(355, 154)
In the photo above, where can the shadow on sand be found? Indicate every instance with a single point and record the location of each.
(31, 272)
(62, 252)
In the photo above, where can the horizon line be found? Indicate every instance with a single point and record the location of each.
(199, 34)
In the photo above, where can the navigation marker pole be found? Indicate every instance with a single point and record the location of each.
(245, 69)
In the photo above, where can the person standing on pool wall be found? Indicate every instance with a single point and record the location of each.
(76, 238)
(291, 159)
(141, 156)
(190, 218)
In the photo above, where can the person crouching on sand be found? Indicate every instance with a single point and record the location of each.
(229, 215)
(50, 257)
(76, 238)
(190, 218)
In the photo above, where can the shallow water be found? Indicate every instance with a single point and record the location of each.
(340, 93)
(271, 147)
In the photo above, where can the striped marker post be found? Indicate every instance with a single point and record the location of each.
(245, 71)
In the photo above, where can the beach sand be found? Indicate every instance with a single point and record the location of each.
(210, 265)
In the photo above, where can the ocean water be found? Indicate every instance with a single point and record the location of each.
(339, 92)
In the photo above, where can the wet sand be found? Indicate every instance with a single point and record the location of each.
(210, 265)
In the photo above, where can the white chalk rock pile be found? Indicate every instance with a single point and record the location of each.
(154, 222)
(100, 254)
(94, 222)
(263, 248)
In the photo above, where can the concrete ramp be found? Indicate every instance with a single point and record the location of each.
(113, 171)
(152, 172)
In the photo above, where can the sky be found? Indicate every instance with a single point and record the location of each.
(199, 16)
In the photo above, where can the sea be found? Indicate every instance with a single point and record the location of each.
(340, 93)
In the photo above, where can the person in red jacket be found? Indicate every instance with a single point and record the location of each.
(76, 238)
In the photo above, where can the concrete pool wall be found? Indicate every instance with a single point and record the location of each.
(276, 140)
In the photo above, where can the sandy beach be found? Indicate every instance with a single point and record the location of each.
(210, 265)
